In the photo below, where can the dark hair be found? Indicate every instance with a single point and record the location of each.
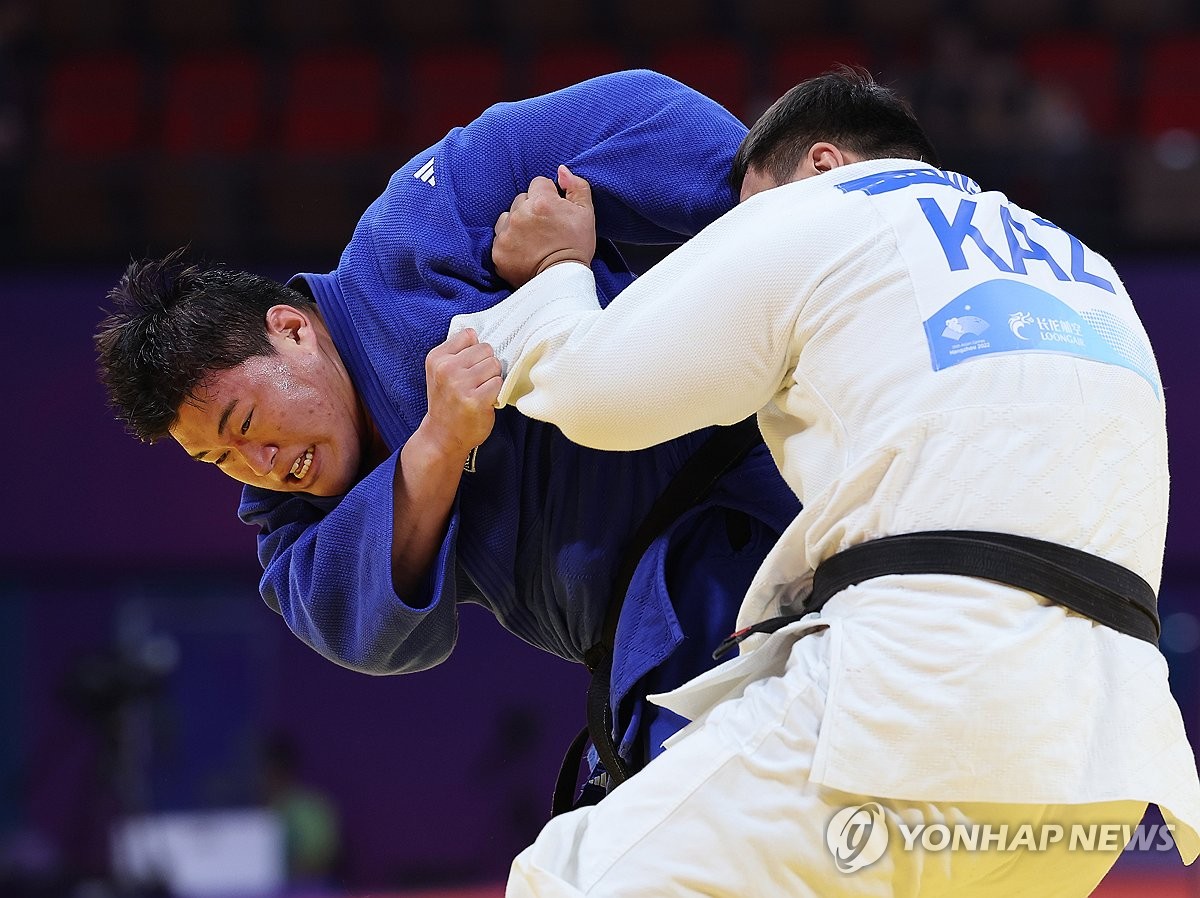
(845, 107)
(173, 325)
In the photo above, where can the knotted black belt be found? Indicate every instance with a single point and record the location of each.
(1098, 589)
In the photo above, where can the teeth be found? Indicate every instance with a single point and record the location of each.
(301, 464)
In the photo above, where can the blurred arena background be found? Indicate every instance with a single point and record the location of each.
(159, 724)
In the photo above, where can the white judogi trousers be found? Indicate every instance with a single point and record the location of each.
(740, 778)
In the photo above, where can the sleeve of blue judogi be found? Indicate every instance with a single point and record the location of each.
(656, 153)
(328, 573)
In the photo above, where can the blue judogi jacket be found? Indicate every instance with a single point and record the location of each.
(539, 524)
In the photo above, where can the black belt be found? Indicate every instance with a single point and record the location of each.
(720, 452)
(1107, 593)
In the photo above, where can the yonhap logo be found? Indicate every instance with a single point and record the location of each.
(857, 836)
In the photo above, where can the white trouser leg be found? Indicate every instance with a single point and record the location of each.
(730, 811)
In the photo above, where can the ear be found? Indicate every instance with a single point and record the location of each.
(288, 324)
(823, 157)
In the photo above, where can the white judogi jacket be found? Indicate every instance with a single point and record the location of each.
(921, 356)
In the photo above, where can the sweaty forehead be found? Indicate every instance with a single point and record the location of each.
(195, 423)
(199, 415)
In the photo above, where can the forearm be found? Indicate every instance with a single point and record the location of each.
(426, 481)
(462, 378)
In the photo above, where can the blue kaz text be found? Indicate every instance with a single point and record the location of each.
(953, 233)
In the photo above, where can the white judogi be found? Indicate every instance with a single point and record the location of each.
(921, 356)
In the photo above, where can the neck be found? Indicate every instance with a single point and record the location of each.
(375, 448)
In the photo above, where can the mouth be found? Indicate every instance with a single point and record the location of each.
(301, 465)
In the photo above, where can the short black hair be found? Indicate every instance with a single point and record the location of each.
(173, 325)
(845, 107)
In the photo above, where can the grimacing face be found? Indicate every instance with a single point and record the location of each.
(289, 421)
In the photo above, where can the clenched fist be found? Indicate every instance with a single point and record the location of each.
(463, 380)
(544, 227)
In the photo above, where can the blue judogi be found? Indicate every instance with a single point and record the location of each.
(539, 524)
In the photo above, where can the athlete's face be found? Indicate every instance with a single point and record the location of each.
(289, 421)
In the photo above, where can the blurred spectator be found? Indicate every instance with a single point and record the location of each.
(312, 828)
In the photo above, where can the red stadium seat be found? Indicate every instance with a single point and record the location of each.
(1085, 66)
(1170, 86)
(94, 105)
(558, 67)
(214, 105)
(451, 86)
(334, 103)
(714, 67)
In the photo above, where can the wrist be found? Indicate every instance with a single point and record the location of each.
(433, 445)
(564, 255)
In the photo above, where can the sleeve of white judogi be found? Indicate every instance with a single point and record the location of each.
(706, 337)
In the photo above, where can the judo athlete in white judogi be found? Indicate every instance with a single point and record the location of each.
(922, 356)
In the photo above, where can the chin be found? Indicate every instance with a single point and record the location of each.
(332, 486)
(339, 482)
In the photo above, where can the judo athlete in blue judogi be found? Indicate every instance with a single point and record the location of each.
(355, 426)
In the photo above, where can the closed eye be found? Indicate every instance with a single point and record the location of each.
(224, 455)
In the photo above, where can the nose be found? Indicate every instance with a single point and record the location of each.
(259, 457)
